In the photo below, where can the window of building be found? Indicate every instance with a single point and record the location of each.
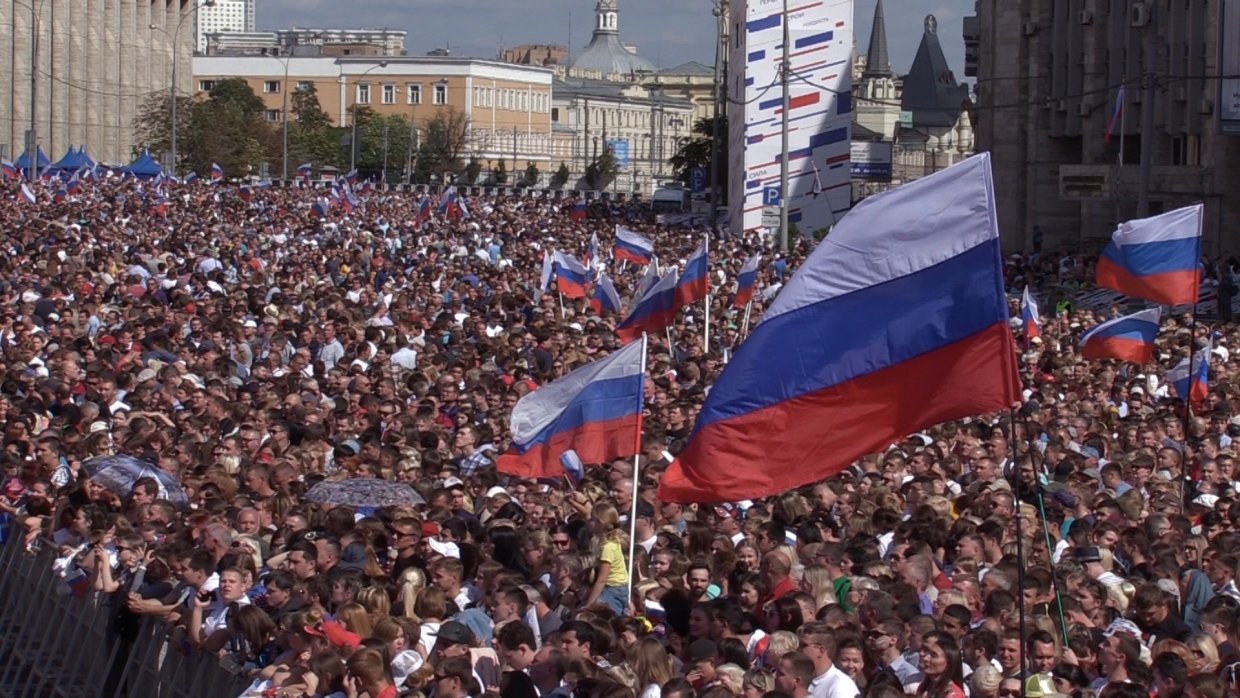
(363, 93)
(206, 85)
(555, 114)
(271, 86)
(389, 93)
(441, 94)
(272, 115)
(304, 86)
(415, 93)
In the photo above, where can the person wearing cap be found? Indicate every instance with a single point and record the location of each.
(1091, 557)
(700, 662)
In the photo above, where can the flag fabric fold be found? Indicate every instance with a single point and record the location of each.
(897, 321)
(1155, 258)
(595, 411)
(217, 172)
(1128, 338)
(1029, 317)
(694, 283)
(605, 296)
(548, 268)
(746, 281)
(652, 312)
(571, 276)
(632, 247)
(1190, 377)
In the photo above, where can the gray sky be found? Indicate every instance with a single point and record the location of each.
(666, 32)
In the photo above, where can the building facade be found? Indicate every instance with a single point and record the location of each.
(820, 111)
(507, 108)
(221, 16)
(641, 124)
(1049, 79)
(96, 61)
(308, 42)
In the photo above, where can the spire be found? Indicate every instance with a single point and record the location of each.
(607, 17)
(876, 62)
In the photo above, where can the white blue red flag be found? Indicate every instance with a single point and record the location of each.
(8, 170)
(304, 170)
(28, 194)
(897, 321)
(571, 276)
(548, 271)
(579, 211)
(1156, 258)
(648, 280)
(245, 193)
(596, 411)
(320, 208)
(191, 177)
(217, 172)
(693, 284)
(605, 296)
(652, 312)
(746, 281)
(1029, 318)
(424, 211)
(632, 247)
(1190, 377)
(1129, 338)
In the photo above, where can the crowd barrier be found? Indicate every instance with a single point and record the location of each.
(57, 644)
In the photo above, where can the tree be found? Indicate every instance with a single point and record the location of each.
(441, 150)
(531, 175)
(237, 92)
(311, 137)
(373, 133)
(153, 125)
(695, 152)
(602, 171)
(469, 175)
(560, 178)
(500, 175)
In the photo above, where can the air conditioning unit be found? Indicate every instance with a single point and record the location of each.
(1083, 109)
(1031, 28)
(1139, 16)
(1205, 107)
(1085, 17)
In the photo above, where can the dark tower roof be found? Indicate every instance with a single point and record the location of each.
(931, 93)
(877, 64)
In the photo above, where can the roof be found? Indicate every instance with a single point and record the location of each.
(689, 68)
(931, 93)
(571, 88)
(877, 64)
(608, 56)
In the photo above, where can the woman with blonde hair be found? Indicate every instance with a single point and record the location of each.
(1204, 653)
(817, 582)
(354, 618)
(410, 583)
(651, 665)
(376, 601)
(611, 581)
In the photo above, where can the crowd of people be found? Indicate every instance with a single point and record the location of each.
(1080, 545)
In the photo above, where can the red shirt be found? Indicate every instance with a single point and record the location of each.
(783, 589)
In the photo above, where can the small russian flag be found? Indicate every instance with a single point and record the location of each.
(28, 194)
(579, 211)
(351, 176)
(60, 195)
(320, 208)
(72, 185)
(746, 281)
(605, 296)
(8, 170)
(217, 172)
(191, 177)
(245, 193)
(303, 170)
(424, 211)
(1029, 317)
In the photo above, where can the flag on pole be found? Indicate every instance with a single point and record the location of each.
(350, 176)
(595, 410)
(320, 207)
(28, 194)
(217, 172)
(694, 281)
(424, 211)
(816, 189)
(8, 170)
(592, 261)
(1029, 317)
(746, 282)
(1156, 258)
(245, 193)
(72, 185)
(1190, 377)
(1116, 113)
(632, 247)
(548, 269)
(897, 321)
(1129, 338)
(191, 178)
(648, 280)
(605, 296)
(60, 195)
(571, 276)
(304, 170)
(653, 312)
(579, 211)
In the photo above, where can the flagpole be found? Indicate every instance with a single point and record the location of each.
(1188, 404)
(637, 457)
(706, 324)
(1020, 541)
(1050, 550)
(563, 313)
(745, 322)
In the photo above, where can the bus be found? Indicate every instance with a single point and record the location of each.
(670, 200)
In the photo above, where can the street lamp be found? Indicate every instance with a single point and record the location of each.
(172, 89)
(284, 113)
(413, 130)
(353, 143)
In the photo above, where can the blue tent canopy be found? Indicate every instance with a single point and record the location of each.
(23, 162)
(145, 167)
(75, 160)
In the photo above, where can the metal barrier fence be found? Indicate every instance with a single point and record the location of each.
(55, 644)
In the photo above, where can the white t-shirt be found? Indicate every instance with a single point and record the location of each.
(215, 617)
(833, 684)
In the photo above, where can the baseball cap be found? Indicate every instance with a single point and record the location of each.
(702, 650)
(456, 633)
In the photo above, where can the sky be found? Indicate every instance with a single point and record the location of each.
(666, 32)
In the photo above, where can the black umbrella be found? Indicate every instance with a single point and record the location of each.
(364, 492)
(119, 473)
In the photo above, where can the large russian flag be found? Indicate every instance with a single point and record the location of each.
(1155, 258)
(1129, 338)
(571, 276)
(1190, 377)
(746, 281)
(898, 321)
(1029, 317)
(694, 283)
(653, 312)
(632, 247)
(595, 410)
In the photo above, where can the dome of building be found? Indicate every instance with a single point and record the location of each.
(605, 53)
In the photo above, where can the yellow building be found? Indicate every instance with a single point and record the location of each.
(507, 107)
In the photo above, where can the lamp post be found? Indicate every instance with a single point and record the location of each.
(353, 144)
(284, 113)
(172, 89)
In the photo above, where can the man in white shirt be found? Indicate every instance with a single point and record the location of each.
(818, 643)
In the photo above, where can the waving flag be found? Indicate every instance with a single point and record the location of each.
(595, 410)
(593, 263)
(217, 172)
(648, 280)
(191, 178)
(320, 208)
(579, 211)
(28, 194)
(350, 176)
(424, 211)
(694, 283)
(746, 281)
(571, 276)
(8, 170)
(1129, 338)
(1116, 113)
(159, 203)
(548, 269)
(1029, 317)
(632, 247)
(245, 193)
(653, 312)
(605, 296)
(1156, 258)
(897, 321)
(60, 195)
(264, 183)
(72, 185)
(1190, 377)
(304, 170)
(462, 209)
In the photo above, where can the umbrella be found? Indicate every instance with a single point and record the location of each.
(364, 492)
(119, 473)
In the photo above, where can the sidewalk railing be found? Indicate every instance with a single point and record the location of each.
(53, 643)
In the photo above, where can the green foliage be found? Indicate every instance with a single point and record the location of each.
(470, 174)
(694, 151)
(560, 178)
(602, 171)
(531, 175)
(499, 175)
(153, 125)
